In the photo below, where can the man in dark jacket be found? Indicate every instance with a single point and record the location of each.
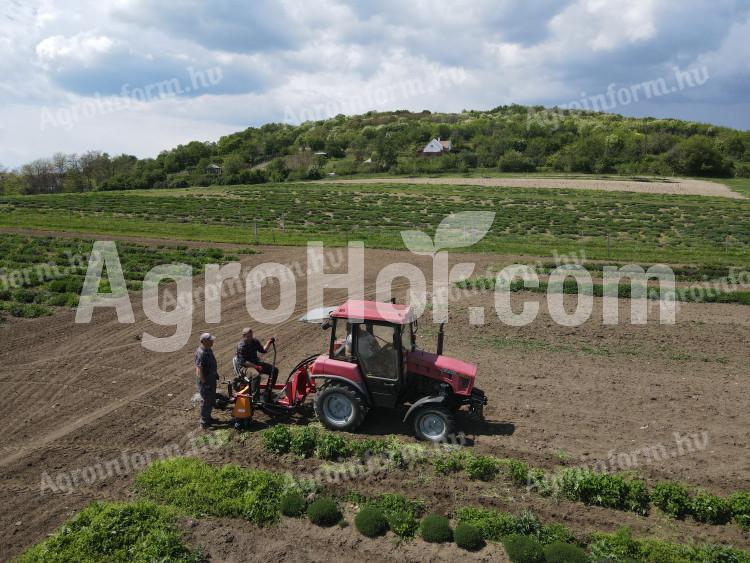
(247, 354)
(207, 376)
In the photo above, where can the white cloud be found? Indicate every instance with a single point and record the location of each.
(305, 54)
(82, 47)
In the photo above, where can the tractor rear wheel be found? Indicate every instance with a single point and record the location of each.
(340, 407)
(434, 424)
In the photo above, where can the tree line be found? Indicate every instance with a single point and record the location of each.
(507, 138)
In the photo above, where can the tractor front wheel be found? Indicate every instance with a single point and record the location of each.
(339, 407)
(434, 424)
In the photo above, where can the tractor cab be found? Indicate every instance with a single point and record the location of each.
(377, 337)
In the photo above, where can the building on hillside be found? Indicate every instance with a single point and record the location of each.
(436, 147)
(213, 169)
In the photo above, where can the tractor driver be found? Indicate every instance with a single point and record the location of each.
(344, 347)
(367, 346)
(247, 354)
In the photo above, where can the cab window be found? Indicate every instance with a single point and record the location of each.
(375, 350)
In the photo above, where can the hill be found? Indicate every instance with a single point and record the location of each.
(508, 138)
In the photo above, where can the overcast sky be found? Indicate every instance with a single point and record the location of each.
(139, 77)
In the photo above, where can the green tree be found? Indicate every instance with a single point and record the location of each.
(385, 152)
(698, 156)
(233, 163)
(277, 170)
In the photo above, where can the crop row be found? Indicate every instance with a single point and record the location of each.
(37, 273)
(148, 531)
(623, 290)
(689, 272)
(674, 221)
(609, 490)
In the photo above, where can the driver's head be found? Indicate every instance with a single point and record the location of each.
(247, 333)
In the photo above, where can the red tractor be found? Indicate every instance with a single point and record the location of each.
(373, 361)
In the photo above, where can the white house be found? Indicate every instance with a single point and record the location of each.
(437, 147)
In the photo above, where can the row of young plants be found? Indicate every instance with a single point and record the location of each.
(39, 273)
(623, 290)
(654, 221)
(610, 490)
(145, 531)
(527, 540)
(682, 272)
(262, 497)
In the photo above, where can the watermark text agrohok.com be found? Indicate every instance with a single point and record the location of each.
(458, 230)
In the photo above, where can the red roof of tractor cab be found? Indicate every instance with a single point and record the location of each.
(374, 311)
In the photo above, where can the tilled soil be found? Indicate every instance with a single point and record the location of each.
(675, 186)
(80, 395)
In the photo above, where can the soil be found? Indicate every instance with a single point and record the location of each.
(78, 395)
(673, 186)
(299, 541)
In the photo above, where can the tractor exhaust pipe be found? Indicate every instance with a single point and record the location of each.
(440, 339)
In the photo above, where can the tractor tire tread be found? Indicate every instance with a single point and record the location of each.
(356, 398)
(450, 421)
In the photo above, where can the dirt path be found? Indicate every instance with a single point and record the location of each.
(74, 396)
(675, 186)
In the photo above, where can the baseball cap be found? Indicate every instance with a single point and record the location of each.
(207, 336)
(246, 330)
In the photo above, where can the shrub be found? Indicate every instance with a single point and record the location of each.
(304, 440)
(293, 505)
(435, 529)
(560, 552)
(278, 439)
(332, 446)
(324, 512)
(514, 161)
(452, 462)
(481, 467)
(739, 504)
(523, 549)
(371, 522)
(710, 509)
(672, 498)
(468, 537)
